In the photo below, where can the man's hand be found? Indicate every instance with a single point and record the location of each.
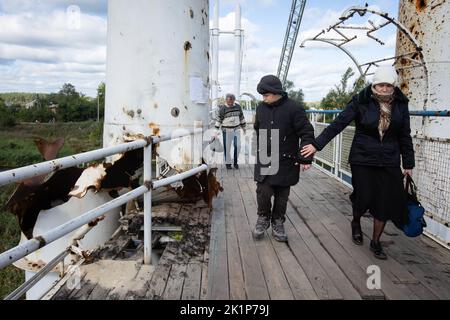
(308, 151)
(407, 172)
(305, 167)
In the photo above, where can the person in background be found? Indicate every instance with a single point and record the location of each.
(231, 120)
(382, 134)
(279, 124)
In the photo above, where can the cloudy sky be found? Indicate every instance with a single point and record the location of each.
(41, 47)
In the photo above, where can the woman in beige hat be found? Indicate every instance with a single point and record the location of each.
(382, 135)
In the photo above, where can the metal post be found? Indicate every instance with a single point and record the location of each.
(98, 107)
(215, 54)
(20, 291)
(148, 205)
(237, 52)
(29, 246)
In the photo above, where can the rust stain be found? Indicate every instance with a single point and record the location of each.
(129, 113)
(201, 186)
(155, 128)
(42, 241)
(404, 87)
(119, 174)
(27, 201)
(437, 5)
(36, 194)
(214, 186)
(187, 46)
(94, 222)
(49, 150)
(421, 5)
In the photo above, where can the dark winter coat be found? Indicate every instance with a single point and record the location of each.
(367, 149)
(290, 119)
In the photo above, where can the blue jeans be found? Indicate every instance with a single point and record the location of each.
(233, 136)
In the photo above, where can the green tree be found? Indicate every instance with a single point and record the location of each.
(101, 94)
(7, 118)
(74, 106)
(68, 90)
(296, 95)
(341, 95)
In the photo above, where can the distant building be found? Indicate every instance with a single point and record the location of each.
(53, 107)
(31, 104)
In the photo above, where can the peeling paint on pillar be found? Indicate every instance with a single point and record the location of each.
(427, 21)
(153, 71)
(429, 24)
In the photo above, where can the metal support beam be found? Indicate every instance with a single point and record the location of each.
(295, 19)
(148, 206)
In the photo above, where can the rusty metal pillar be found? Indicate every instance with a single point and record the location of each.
(157, 78)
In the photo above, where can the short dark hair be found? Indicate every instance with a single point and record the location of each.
(230, 95)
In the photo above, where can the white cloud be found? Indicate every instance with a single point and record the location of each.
(42, 6)
(39, 53)
(250, 3)
(43, 52)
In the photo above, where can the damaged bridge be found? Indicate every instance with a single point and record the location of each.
(146, 217)
(216, 257)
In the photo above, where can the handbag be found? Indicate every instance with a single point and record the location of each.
(416, 211)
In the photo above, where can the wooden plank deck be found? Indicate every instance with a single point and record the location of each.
(320, 261)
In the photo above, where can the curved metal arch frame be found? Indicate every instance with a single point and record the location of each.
(248, 94)
(348, 13)
(343, 49)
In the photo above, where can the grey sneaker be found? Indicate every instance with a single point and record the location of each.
(278, 232)
(262, 224)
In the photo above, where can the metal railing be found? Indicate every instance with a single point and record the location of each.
(431, 174)
(27, 247)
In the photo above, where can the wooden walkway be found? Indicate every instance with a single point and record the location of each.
(219, 259)
(320, 261)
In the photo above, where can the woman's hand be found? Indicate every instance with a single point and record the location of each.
(308, 150)
(305, 167)
(407, 172)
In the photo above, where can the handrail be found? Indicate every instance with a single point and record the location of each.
(428, 113)
(29, 246)
(34, 170)
(22, 250)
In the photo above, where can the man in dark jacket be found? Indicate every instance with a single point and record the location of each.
(279, 123)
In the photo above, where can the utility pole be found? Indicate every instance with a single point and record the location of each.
(237, 52)
(215, 56)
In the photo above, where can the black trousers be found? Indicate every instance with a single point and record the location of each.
(264, 194)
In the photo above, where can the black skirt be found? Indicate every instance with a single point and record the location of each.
(381, 191)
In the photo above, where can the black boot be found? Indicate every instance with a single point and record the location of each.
(357, 235)
(278, 231)
(262, 224)
(377, 250)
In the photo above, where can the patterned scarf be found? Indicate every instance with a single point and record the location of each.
(385, 101)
